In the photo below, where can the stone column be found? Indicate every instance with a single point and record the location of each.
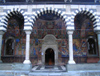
(71, 60)
(27, 54)
(98, 35)
(1, 34)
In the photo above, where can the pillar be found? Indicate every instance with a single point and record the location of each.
(98, 35)
(27, 54)
(70, 38)
(1, 34)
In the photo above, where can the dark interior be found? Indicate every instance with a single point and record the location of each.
(49, 57)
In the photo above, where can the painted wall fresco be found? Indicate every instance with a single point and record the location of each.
(44, 27)
(54, 26)
(84, 29)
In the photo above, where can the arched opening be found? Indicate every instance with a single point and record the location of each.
(84, 25)
(49, 23)
(16, 23)
(9, 47)
(13, 37)
(49, 57)
(91, 46)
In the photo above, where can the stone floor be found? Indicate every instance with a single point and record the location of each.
(74, 70)
(71, 73)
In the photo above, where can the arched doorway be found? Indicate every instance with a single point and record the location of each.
(91, 46)
(9, 47)
(49, 43)
(49, 57)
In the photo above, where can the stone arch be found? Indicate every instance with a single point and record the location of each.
(91, 14)
(12, 45)
(42, 11)
(15, 11)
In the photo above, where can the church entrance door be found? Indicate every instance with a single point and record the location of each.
(49, 57)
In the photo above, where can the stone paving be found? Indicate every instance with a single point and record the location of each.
(76, 70)
(78, 73)
(70, 73)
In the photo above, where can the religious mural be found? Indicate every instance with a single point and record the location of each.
(83, 30)
(50, 25)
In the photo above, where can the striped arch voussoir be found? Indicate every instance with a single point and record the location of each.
(90, 14)
(48, 10)
(12, 12)
(15, 11)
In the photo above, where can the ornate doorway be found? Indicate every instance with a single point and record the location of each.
(49, 46)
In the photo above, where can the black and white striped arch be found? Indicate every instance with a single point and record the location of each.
(30, 20)
(6, 16)
(43, 11)
(91, 14)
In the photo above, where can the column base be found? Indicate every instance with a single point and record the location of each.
(0, 61)
(71, 62)
(27, 62)
(99, 61)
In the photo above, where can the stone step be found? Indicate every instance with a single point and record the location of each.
(48, 69)
(72, 73)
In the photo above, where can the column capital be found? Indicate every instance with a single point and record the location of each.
(70, 32)
(70, 28)
(1, 32)
(28, 32)
(28, 26)
(97, 31)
